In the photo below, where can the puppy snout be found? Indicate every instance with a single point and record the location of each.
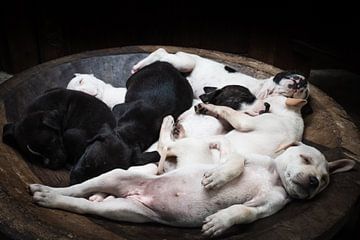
(313, 182)
(298, 83)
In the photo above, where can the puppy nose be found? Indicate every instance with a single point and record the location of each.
(313, 182)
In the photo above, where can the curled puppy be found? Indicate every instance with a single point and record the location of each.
(56, 126)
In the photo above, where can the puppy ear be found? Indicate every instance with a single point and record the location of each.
(286, 146)
(209, 95)
(9, 134)
(341, 165)
(104, 131)
(209, 89)
(52, 119)
(295, 102)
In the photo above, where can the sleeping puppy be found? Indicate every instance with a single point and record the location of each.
(152, 93)
(205, 72)
(178, 198)
(239, 98)
(263, 134)
(89, 84)
(56, 126)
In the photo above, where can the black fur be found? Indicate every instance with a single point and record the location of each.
(230, 69)
(231, 96)
(286, 74)
(154, 92)
(57, 124)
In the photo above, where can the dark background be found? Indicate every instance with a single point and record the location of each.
(321, 41)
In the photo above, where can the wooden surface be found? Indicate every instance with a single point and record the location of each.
(328, 127)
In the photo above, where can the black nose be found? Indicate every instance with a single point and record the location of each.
(313, 182)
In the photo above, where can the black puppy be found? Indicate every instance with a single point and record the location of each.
(153, 92)
(56, 126)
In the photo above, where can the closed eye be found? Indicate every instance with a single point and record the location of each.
(306, 160)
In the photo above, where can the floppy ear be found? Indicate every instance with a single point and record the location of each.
(9, 134)
(295, 102)
(104, 131)
(286, 146)
(209, 89)
(341, 165)
(52, 119)
(209, 95)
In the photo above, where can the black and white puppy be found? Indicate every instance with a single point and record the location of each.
(56, 126)
(239, 98)
(152, 93)
(205, 72)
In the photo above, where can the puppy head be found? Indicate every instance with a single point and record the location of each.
(291, 84)
(38, 137)
(104, 151)
(233, 96)
(86, 83)
(304, 170)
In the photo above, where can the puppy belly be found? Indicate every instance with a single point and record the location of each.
(181, 200)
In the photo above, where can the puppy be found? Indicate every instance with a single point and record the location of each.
(154, 92)
(56, 126)
(263, 134)
(204, 72)
(178, 198)
(193, 124)
(89, 84)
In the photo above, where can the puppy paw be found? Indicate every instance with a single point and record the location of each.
(38, 188)
(200, 109)
(97, 197)
(46, 198)
(213, 179)
(153, 57)
(178, 131)
(216, 224)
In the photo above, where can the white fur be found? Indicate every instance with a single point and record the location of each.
(206, 72)
(178, 198)
(89, 84)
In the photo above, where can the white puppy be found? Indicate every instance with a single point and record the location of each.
(178, 198)
(205, 72)
(264, 134)
(89, 84)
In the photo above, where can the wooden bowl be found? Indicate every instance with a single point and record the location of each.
(328, 127)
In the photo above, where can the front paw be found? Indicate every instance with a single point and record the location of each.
(200, 109)
(216, 224)
(38, 188)
(213, 178)
(46, 198)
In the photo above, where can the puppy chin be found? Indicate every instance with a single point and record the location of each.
(297, 192)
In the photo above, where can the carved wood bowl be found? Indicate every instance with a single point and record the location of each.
(328, 127)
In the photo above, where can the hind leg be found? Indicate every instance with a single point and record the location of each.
(119, 209)
(165, 141)
(115, 182)
(181, 61)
